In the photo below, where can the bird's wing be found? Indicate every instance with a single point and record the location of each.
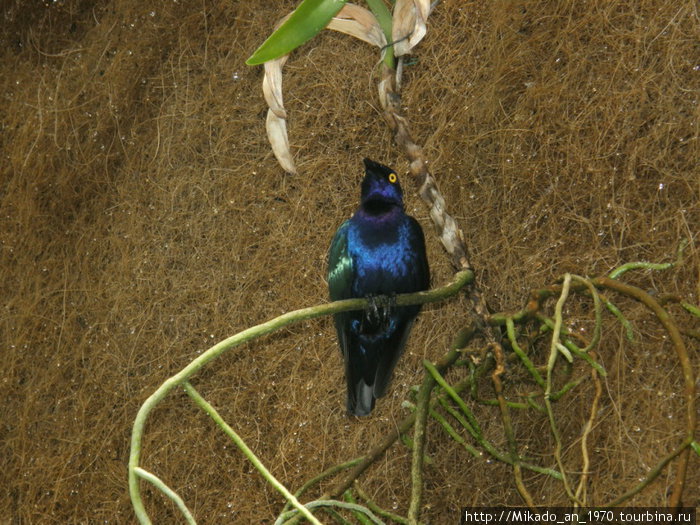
(421, 275)
(341, 273)
(340, 278)
(340, 265)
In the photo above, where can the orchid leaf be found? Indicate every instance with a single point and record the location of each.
(305, 22)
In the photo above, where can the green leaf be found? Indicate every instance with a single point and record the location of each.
(696, 447)
(305, 22)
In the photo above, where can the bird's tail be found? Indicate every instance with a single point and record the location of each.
(360, 398)
(370, 366)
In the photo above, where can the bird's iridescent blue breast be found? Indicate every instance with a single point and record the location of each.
(385, 258)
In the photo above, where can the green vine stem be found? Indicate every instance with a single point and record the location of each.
(160, 485)
(556, 396)
(364, 520)
(688, 378)
(617, 272)
(384, 19)
(475, 431)
(332, 504)
(696, 447)
(473, 423)
(460, 279)
(510, 326)
(490, 449)
(211, 411)
(457, 415)
(419, 438)
(569, 345)
(323, 475)
(629, 331)
(691, 308)
(377, 509)
(453, 433)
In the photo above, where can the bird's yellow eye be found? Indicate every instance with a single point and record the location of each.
(392, 178)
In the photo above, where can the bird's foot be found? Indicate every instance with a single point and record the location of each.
(380, 308)
(373, 309)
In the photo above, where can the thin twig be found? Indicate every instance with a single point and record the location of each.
(581, 490)
(681, 450)
(498, 371)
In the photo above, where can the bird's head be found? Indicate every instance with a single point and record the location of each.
(381, 190)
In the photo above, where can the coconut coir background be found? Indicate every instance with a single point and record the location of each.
(144, 218)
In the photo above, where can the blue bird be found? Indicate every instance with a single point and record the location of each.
(379, 251)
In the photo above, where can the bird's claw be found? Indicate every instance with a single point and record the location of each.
(373, 309)
(380, 308)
